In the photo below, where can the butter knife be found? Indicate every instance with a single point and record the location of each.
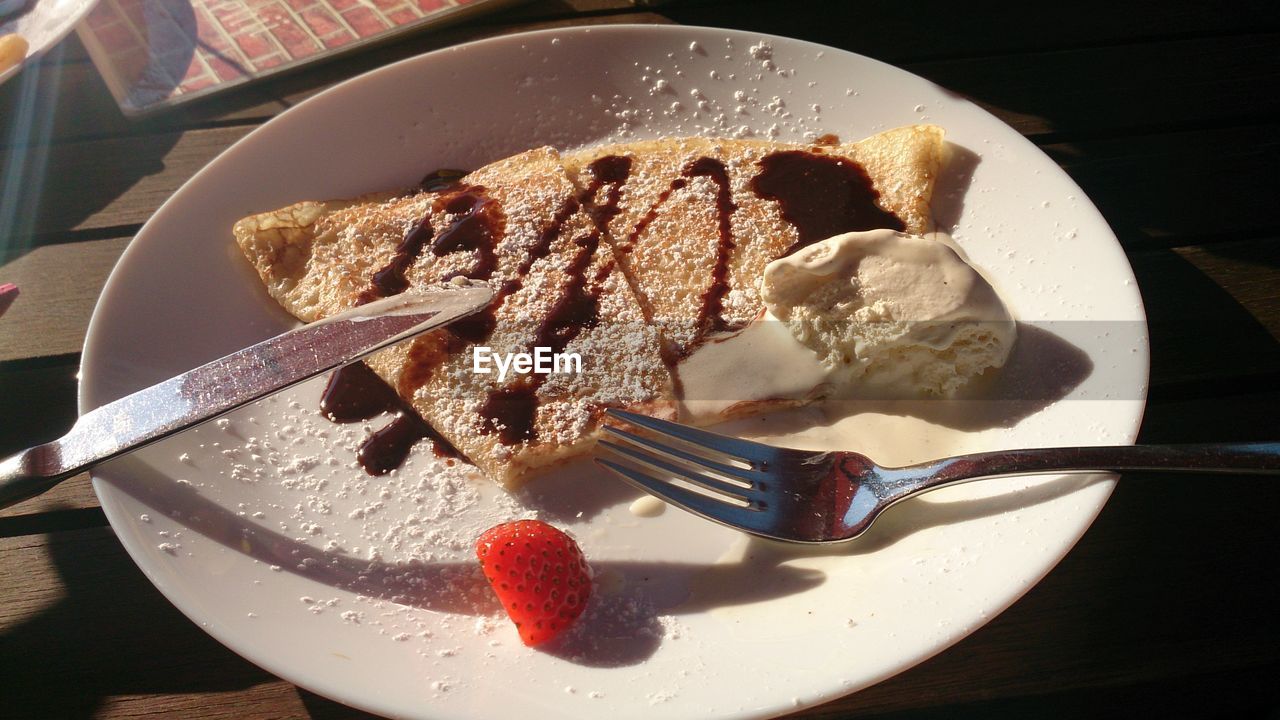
(232, 381)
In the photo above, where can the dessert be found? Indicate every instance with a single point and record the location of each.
(539, 575)
(518, 224)
(630, 256)
(883, 309)
(876, 313)
(696, 219)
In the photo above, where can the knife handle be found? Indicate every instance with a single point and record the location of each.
(23, 476)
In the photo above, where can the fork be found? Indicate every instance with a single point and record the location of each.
(805, 496)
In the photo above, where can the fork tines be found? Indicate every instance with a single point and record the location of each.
(753, 454)
(705, 485)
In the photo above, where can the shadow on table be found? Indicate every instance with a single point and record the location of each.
(110, 634)
(59, 189)
(1203, 339)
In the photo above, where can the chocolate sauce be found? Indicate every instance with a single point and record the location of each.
(652, 214)
(821, 195)
(710, 311)
(391, 279)
(475, 227)
(442, 179)
(354, 394)
(578, 307)
(512, 411)
(611, 170)
(426, 352)
(709, 314)
(386, 449)
(509, 411)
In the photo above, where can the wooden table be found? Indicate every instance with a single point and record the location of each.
(1165, 114)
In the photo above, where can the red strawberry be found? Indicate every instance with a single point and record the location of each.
(539, 575)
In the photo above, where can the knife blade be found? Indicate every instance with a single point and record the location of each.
(232, 381)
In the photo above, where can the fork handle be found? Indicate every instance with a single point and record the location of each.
(1251, 458)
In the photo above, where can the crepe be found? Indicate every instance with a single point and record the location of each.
(694, 254)
(629, 255)
(519, 225)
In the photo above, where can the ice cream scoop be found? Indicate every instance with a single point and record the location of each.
(882, 309)
(864, 314)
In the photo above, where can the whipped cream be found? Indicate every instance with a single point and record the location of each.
(859, 314)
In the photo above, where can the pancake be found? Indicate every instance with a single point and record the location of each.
(628, 255)
(698, 219)
(519, 225)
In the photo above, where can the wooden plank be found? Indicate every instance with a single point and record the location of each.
(1134, 603)
(1180, 187)
(1199, 695)
(62, 506)
(1176, 83)
(37, 400)
(1201, 332)
(83, 108)
(59, 285)
(1123, 89)
(903, 32)
(133, 176)
(1248, 271)
(556, 9)
(267, 699)
(100, 641)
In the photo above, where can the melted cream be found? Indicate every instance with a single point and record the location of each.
(763, 362)
(647, 506)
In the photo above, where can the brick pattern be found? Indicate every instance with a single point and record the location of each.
(156, 50)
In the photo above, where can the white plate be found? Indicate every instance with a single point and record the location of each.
(691, 620)
(43, 25)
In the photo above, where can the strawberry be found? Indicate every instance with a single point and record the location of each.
(538, 574)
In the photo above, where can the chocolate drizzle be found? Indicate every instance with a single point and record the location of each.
(821, 195)
(475, 225)
(391, 280)
(613, 171)
(511, 412)
(441, 180)
(355, 394)
(652, 213)
(710, 313)
(471, 229)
